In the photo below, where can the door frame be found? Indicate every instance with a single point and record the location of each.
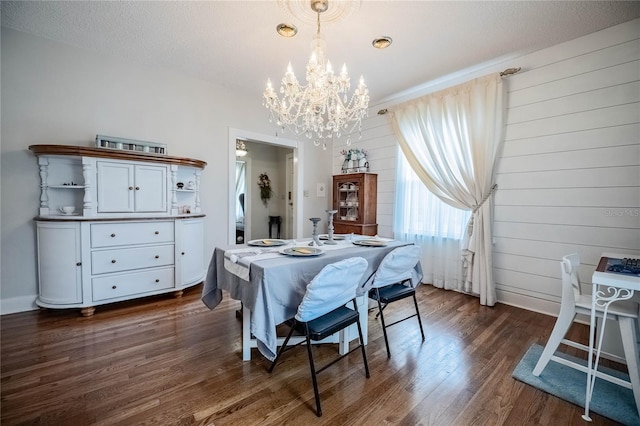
(298, 155)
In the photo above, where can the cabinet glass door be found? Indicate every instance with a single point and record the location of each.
(348, 200)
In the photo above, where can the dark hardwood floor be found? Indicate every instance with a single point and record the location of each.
(165, 361)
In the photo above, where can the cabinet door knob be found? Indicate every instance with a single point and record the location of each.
(157, 280)
(79, 264)
(113, 261)
(183, 253)
(157, 232)
(137, 188)
(113, 287)
(131, 188)
(113, 235)
(157, 257)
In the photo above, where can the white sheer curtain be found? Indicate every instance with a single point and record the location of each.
(422, 218)
(452, 140)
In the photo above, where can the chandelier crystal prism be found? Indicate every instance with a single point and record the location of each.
(321, 109)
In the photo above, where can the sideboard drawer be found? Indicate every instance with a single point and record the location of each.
(117, 260)
(113, 286)
(121, 234)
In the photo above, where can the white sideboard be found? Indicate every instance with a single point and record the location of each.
(137, 230)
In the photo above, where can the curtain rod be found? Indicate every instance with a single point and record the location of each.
(505, 73)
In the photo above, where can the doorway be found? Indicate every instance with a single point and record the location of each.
(289, 193)
(242, 200)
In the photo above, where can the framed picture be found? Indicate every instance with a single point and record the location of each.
(111, 142)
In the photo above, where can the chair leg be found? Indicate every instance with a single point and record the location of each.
(628, 331)
(384, 327)
(282, 348)
(364, 353)
(565, 318)
(313, 376)
(383, 306)
(415, 302)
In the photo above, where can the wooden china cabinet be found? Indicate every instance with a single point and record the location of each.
(355, 197)
(135, 226)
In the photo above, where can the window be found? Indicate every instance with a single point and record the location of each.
(419, 213)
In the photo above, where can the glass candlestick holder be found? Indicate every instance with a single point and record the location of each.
(315, 241)
(330, 239)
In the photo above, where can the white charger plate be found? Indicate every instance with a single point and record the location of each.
(370, 243)
(336, 237)
(267, 242)
(302, 251)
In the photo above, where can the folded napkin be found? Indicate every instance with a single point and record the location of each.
(237, 261)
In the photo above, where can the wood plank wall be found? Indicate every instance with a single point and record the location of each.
(569, 174)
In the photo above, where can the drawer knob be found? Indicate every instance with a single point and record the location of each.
(113, 261)
(157, 280)
(131, 188)
(79, 264)
(113, 235)
(137, 188)
(183, 253)
(113, 287)
(157, 232)
(157, 257)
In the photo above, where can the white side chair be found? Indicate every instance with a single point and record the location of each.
(323, 313)
(574, 302)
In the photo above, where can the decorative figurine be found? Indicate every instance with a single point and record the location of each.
(330, 214)
(315, 241)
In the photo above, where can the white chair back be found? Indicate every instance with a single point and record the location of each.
(398, 266)
(571, 287)
(334, 286)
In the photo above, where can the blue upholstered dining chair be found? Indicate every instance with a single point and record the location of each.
(323, 312)
(395, 280)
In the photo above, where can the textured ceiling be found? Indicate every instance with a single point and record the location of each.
(234, 43)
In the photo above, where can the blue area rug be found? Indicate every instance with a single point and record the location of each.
(609, 400)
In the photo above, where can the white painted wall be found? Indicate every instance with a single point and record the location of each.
(56, 94)
(569, 175)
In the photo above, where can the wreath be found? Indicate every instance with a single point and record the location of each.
(264, 183)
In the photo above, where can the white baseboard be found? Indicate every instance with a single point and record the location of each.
(14, 305)
(529, 303)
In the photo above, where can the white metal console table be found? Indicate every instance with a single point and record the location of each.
(609, 287)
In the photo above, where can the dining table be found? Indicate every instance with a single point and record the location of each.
(271, 282)
(616, 278)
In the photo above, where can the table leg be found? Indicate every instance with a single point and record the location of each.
(246, 333)
(363, 308)
(590, 375)
(602, 299)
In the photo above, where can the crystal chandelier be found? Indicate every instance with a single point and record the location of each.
(321, 109)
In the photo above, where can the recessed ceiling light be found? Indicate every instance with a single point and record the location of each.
(382, 42)
(286, 30)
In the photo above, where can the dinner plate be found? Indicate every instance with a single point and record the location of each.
(335, 237)
(370, 243)
(302, 251)
(267, 242)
